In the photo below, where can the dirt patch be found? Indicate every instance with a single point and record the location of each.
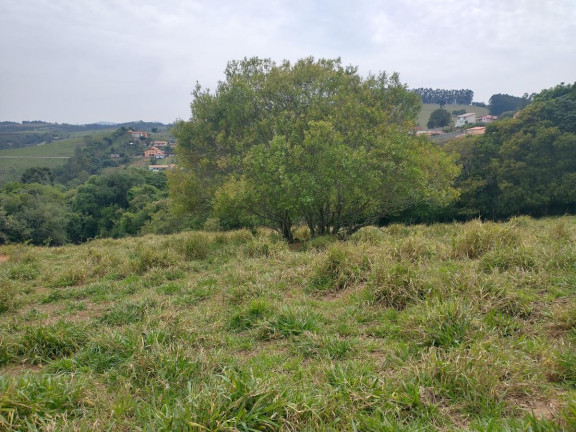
(19, 369)
(546, 410)
(4, 258)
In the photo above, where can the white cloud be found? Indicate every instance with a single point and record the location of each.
(88, 60)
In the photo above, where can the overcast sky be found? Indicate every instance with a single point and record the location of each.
(83, 61)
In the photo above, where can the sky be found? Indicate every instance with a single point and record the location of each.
(84, 61)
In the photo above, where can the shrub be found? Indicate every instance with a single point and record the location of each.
(477, 238)
(394, 286)
(194, 247)
(340, 266)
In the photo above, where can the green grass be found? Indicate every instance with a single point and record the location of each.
(22, 158)
(427, 109)
(448, 327)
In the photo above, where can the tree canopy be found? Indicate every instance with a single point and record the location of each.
(524, 165)
(439, 118)
(311, 142)
(445, 97)
(501, 103)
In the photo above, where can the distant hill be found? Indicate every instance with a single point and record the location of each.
(428, 108)
(29, 133)
(50, 145)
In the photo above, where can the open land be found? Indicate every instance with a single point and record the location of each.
(449, 327)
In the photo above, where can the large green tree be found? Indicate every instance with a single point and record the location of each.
(439, 118)
(311, 142)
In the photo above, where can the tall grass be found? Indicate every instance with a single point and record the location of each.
(454, 327)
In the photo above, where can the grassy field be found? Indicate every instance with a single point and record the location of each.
(11, 169)
(457, 327)
(427, 109)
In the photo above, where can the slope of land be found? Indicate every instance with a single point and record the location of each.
(443, 327)
(427, 109)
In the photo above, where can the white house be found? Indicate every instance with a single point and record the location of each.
(463, 119)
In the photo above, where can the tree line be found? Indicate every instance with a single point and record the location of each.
(445, 97)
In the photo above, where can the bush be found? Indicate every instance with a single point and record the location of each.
(340, 266)
(477, 238)
(394, 286)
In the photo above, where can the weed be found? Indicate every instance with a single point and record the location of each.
(250, 316)
(169, 289)
(288, 323)
(339, 267)
(23, 271)
(42, 344)
(477, 238)
(330, 347)
(320, 243)
(8, 296)
(195, 247)
(439, 324)
(369, 234)
(506, 258)
(394, 286)
(126, 313)
(28, 402)
(564, 370)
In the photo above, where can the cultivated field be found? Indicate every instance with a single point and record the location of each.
(445, 327)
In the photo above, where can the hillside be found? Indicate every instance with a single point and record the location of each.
(61, 144)
(427, 109)
(445, 327)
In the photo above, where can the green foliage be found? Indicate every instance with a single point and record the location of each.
(525, 165)
(34, 213)
(311, 142)
(42, 344)
(40, 175)
(439, 119)
(500, 103)
(33, 402)
(125, 313)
